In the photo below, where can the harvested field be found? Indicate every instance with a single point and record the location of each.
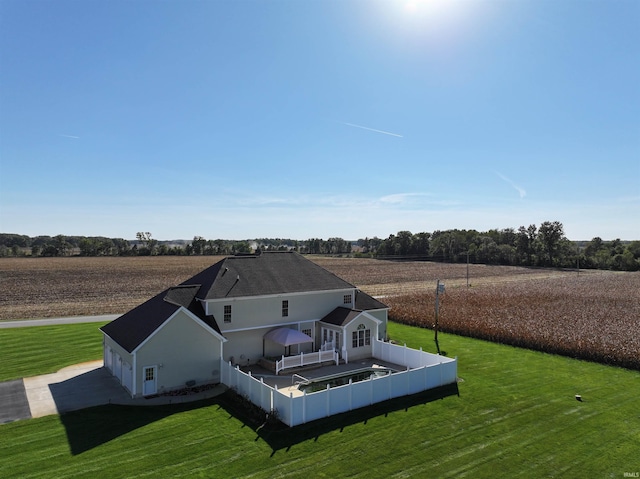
(594, 315)
(58, 287)
(390, 278)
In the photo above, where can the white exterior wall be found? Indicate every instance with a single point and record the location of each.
(308, 347)
(363, 351)
(382, 316)
(183, 350)
(120, 363)
(266, 311)
(245, 347)
(248, 346)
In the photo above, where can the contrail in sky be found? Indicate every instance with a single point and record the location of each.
(71, 136)
(520, 190)
(373, 129)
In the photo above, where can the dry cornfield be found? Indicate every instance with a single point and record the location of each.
(594, 315)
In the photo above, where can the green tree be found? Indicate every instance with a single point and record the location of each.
(550, 234)
(525, 243)
(198, 244)
(122, 247)
(421, 244)
(403, 243)
(148, 243)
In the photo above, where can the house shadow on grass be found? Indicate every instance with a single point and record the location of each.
(279, 436)
(92, 427)
(95, 409)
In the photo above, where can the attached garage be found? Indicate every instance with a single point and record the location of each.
(164, 344)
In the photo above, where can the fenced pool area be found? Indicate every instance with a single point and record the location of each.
(408, 371)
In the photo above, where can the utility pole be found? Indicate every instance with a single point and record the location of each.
(467, 269)
(439, 289)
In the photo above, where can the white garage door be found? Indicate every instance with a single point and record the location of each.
(127, 376)
(117, 366)
(108, 358)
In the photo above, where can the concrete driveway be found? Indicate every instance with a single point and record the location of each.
(75, 387)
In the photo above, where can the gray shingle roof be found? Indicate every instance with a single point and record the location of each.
(133, 327)
(340, 316)
(265, 274)
(364, 302)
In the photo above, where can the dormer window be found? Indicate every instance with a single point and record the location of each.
(347, 299)
(285, 308)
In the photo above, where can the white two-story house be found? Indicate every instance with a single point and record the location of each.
(240, 310)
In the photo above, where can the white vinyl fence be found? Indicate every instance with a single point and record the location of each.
(425, 371)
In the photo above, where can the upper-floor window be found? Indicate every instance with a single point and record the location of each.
(227, 313)
(285, 308)
(347, 299)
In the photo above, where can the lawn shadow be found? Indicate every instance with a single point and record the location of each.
(94, 426)
(94, 409)
(92, 388)
(279, 436)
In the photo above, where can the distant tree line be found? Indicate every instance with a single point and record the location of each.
(146, 245)
(545, 245)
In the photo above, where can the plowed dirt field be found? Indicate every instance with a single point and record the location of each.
(593, 315)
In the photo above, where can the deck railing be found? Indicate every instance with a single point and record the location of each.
(305, 359)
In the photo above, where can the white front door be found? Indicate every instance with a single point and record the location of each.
(149, 380)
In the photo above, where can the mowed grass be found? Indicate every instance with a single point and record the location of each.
(515, 416)
(32, 351)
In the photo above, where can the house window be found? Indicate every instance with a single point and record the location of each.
(285, 308)
(307, 332)
(361, 337)
(347, 299)
(227, 313)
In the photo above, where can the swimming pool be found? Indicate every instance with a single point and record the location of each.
(364, 374)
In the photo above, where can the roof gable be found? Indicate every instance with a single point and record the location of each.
(341, 316)
(132, 328)
(203, 323)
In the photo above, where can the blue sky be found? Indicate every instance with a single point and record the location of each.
(300, 119)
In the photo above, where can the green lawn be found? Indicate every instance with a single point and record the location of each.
(515, 416)
(38, 350)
